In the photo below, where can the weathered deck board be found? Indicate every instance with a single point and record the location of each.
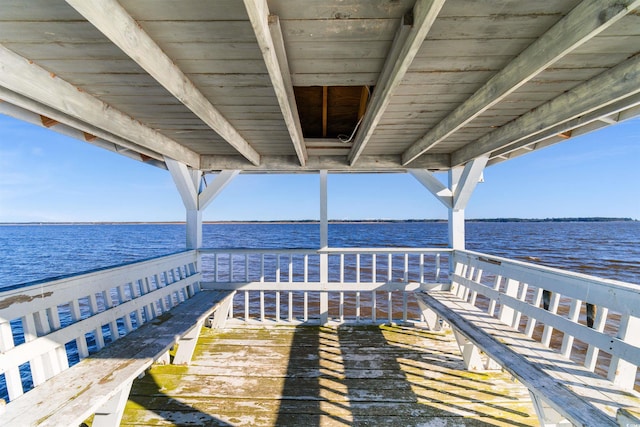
(326, 376)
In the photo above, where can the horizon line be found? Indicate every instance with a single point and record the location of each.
(344, 221)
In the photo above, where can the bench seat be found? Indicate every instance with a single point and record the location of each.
(579, 395)
(100, 383)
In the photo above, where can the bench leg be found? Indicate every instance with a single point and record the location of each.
(547, 416)
(470, 352)
(221, 314)
(110, 414)
(430, 317)
(187, 344)
(164, 359)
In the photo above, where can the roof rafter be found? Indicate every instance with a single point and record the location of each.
(574, 125)
(617, 84)
(27, 104)
(585, 21)
(116, 24)
(406, 44)
(28, 79)
(269, 35)
(12, 110)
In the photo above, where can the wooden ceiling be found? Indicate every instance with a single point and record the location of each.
(284, 85)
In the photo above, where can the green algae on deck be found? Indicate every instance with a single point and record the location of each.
(332, 375)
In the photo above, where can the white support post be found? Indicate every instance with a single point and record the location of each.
(324, 243)
(194, 229)
(111, 412)
(195, 201)
(456, 216)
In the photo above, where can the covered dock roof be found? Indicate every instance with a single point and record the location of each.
(308, 85)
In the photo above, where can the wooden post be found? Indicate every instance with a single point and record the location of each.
(324, 243)
(194, 229)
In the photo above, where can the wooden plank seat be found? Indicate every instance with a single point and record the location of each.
(563, 391)
(99, 385)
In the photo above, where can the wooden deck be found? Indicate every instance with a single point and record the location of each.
(326, 376)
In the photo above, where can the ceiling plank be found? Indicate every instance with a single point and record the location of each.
(617, 84)
(58, 97)
(115, 23)
(585, 21)
(406, 44)
(269, 36)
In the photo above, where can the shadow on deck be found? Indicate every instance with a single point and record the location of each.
(326, 376)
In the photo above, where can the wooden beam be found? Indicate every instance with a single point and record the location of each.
(468, 181)
(435, 187)
(115, 23)
(25, 78)
(184, 183)
(406, 44)
(290, 164)
(585, 21)
(620, 82)
(215, 188)
(269, 36)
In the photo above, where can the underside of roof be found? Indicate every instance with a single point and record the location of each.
(307, 85)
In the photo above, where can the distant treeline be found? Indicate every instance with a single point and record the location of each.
(579, 219)
(345, 221)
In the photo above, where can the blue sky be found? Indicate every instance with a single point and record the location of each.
(48, 177)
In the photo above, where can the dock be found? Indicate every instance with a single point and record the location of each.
(327, 376)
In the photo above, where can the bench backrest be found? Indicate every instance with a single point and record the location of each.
(552, 306)
(46, 327)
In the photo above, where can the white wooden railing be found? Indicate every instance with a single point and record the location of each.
(593, 321)
(342, 285)
(46, 327)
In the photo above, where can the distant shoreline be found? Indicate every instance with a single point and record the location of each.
(333, 221)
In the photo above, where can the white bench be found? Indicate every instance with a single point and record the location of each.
(99, 385)
(141, 309)
(562, 390)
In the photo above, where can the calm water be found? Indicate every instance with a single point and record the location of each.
(33, 252)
